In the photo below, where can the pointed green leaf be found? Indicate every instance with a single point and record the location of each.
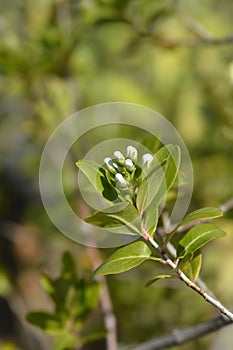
(124, 259)
(151, 219)
(199, 214)
(156, 278)
(47, 284)
(97, 177)
(173, 163)
(142, 195)
(151, 142)
(160, 179)
(169, 174)
(92, 295)
(185, 260)
(121, 218)
(197, 237)
(150, 187)
(66, 340)
(192, 269)
(68, 268)
(45, 321)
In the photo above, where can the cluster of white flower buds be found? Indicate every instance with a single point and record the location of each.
(123, 167)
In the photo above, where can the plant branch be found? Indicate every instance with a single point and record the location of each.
(225, 207)
(181, 336)
(106, 303)
(207, 297)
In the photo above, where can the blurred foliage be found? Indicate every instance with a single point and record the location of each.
(59, 56)
(74, 301)
(8, 346)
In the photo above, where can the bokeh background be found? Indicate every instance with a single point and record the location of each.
(60, 56)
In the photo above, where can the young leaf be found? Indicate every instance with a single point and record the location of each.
(47, 284)
(96, 176)
(199, 214)
(149, 188)
(66, 340)
(151, 142)
(124, 259)
(197, 237)
(169, 174)
(122, 215)
(45, 321)
(160, 178)
(156, 278)
(192, 269)
(151, 219)
(68, 268)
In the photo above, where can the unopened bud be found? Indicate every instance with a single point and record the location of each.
(121, 181)
(119, 157)
(132, 153)
(147, 159)
(109, 164)
(129, 165)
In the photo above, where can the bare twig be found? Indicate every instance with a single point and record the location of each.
(106, 303)
(225, 207)
(178, 337)
(171, 249)
(206, 296)
(181, 336)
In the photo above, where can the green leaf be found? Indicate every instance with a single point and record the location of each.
(149, 187)
(45, 321)
(122, 217)
(156, 278)
(92, 336)
(47, 284)
(92, 296)
(199, 214)
(172, 166)
(151, 219)
(163, 172)
(170, 171)
(192, 269)
(197, 237)
(66, 340)
(68, 268)
(97, 177)
(124, 259)
(151, 142)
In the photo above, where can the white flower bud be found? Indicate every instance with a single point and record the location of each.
(120, 180)
(129, 165)
(147, 159)
(119, 157)
(109, 164)
(132, 153)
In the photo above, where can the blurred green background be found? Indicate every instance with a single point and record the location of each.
(60, 56)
